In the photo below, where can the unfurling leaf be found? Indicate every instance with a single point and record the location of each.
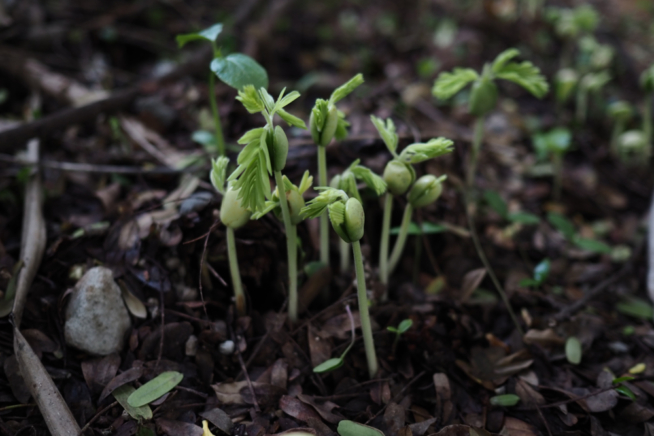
(386, 131)
(345, 89)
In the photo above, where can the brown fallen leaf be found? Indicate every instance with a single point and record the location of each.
(324, 408)
(471, 281)
(128, 376)
(297, 409)
(98, 372)
(179, 428)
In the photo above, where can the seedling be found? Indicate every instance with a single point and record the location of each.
(541, 272)
(233, 215)
(424, 192)
(404, 327)
(570, 25)
(593, 55)
(155, 388)
(621, 112)
(633, 147)
(235, 70)
(554, 145)
(347, 217)
(347, 181)
(590, 83)
(647, 83)
(495, 201)
(483, 95)
(573, 350)
(264, 155)
(506, 400)
(565, 81)
(622, 389)
(295, 205)
(325, 124)
(336, 362)
(565, 226)
(399, 175)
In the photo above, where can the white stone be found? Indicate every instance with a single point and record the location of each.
(96, 317)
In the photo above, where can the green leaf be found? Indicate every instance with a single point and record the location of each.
(413, 229)
(541, 271)
(372, 180)
(622, 379)
(345, 89)
(204, 137)
(496, 203)
(329, 365)
(624, 390)
(592, 245)
(291, 120)
(405, 325)
(636, 307)
(386, 131)
(218, 173)
(427, 229)
(392, 329)
(573, 350)
(351, 428)
(238, 70)
(501, 60)
(251, 99)
(420, 152)
(593, 82)
(527, 283)
(562, 224)
(210, 34)
(155, 388)
(526, 75)
(523, 218)
(505, 400)
(447, 84)
(327, 196)
(251, 135)
(122, 393)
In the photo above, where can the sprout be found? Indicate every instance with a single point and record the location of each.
(590, 83)
(348, 218)
(565, 81)
(620, 111)
(554, 145)
(399, 331)
(633, 147)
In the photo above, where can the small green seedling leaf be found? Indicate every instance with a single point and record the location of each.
(636, 307)
(592, 245)
(414, 230)
(506, 400)
(626, 392)
(351, 428)
(625, 378)
(405, 326)
(329, 365)
(562, 224)
(210, 34)
(523, 218)
(573, 350)
(155, 388)
(541, 271)
(238, 70)
(122, 393)
(496, 203)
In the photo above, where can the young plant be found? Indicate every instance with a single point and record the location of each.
(554, 145)
(541, 272)
(633, 147)
(326, 123)
(571, 25)
(264, 155)
(424, 192)
(235, 70)
(336, 362)
(590, 83)
(565, 81)
(347, 181)
(399, 175)
(483, 94)
(647, 83)
(621, 112)
(565, 226)
(295, 204)
(495, 201)
(233, 215)
(348, 219)
(399, 331)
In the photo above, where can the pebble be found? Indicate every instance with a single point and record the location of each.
(96, 317)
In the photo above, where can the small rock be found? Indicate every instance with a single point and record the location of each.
(96, 317)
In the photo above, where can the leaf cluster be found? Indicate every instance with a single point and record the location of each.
(347, 181)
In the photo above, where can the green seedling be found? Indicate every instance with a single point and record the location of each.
(155, 388)
(497, 203)
(593, 55)
(336, 362)
(264, 155)
(325, 124)
(647, 83)
(235, 70)
(122, 393)
(565, 81)
(541, 272)
(399, 175)
(633, 147)
(483, 93)
(589, 84)
(620, 112)
(622, 389)
(295, 204)
(348, 218)
(572, 24)
(233, 215)
(636, 307)
(573, 350)
(565, 226)
(404, 327)
(425, 191)
(554, 145)
(347, 181)
(506, 400)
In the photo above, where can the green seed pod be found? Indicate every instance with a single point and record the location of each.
(398, 177)
(425, 191)
(329, 130)
(565, 81)
(347, 219)
(483, 97)
(279, 150)
(232, 214)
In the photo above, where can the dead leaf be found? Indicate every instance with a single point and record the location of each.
(515, 427)
(453, 430)
(635, 412)
(220, 419)
(297, 409)
(471, 281)
(179, 428)
(128, 376)
(545, 338)
(319, 348)
(527, 394)
(99, 372)
(324, 408)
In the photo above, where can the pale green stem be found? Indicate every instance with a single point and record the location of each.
(220, 139)
(345, 256)
(647, 124)
(324, 220)
(582, 103)
(291, 248)
(474, 155)
(618, 128)
(385, 237)
(401, 239)
(239, 295)
(557, 163)
(366, 327)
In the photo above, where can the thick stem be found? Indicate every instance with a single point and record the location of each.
(385, 237)
(220, 139)
(557, 163)
(291, 248)
(239, 295)
(401, 239)
(474, 154)
(324, 220)
(345, 256)
(366, 327)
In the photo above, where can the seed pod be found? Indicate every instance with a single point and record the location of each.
(331, 124)
(398, 177)
(232, 214)
(425, 191)
(279, 150)
(348, 219)
(483, 97)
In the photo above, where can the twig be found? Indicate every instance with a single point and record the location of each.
(96, 416)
